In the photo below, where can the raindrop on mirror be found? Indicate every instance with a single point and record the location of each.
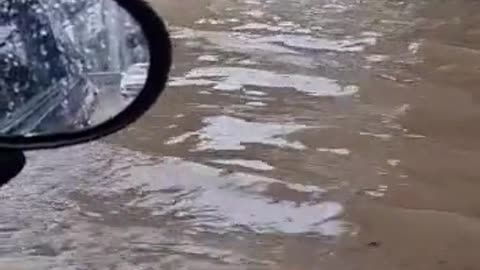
(67, 65)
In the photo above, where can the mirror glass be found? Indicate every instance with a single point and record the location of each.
(67, 65)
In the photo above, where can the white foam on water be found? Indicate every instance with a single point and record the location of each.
(256, 104)
(271, 28)
(335, 7)
(255, 13)
(414, 47)
(378, 192)
(276, 43)
(415, 136)
(247, 62)
(179, 139)
(229, 133)
(393, 162)
(209, 21)
(208, 58)
(184, 82)
(384, 137)
(253, 2)
(235, 78)
(375, 193)
(337, 151)
(253, 164)
(316, 43)
(376, 58)
(257, 26)
(255, 93)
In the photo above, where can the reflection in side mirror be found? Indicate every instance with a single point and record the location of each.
(66, 66)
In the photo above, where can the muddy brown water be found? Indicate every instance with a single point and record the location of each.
(299, 134)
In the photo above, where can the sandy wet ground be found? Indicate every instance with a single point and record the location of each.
(293, 135)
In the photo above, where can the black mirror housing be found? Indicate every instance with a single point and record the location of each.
(160, 60)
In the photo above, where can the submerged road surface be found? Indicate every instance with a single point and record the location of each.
(294, 134)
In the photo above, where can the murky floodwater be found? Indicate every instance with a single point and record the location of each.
(299, 134)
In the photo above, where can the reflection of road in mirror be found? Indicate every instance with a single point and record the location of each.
(85, 62)
(116, 91)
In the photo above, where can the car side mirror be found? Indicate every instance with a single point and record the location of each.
(61, 66)
(62, 63)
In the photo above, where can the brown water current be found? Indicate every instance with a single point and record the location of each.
(294, 134)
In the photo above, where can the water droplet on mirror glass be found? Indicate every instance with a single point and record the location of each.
(16, 89)
(43, 51)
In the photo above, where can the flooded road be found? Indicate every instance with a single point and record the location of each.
(299, 134)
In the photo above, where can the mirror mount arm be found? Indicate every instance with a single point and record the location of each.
(12, 163)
